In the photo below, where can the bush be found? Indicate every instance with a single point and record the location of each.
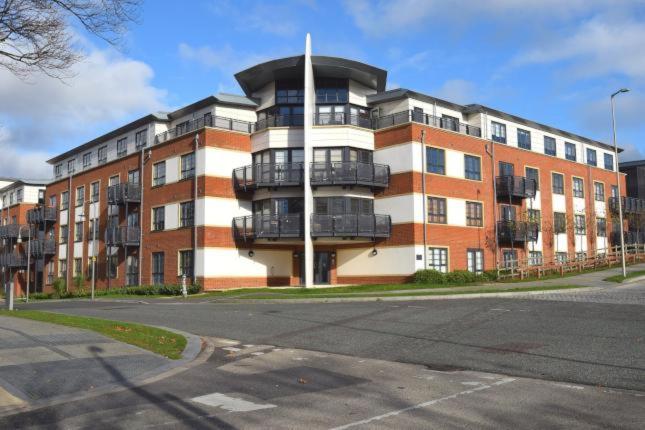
(460, 277)
(491, 275)
(40, 296)
(155, 290)
(429, 277)
(60, 288)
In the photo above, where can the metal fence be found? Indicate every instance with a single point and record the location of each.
(268, 175)
(350, 173)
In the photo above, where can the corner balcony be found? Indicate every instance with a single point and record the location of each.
(268, 227)
(12, 231)
(342, 118)
(274, 175)
(41, 214)
(13, 260)
(515, 187)
(42, 247)
(121, 194)
(517, 231)
(427, 119)
(291, 120)
(631, 205)
(122, 236)
(351, 226)
(350, 173)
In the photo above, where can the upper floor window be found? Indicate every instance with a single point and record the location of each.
(58, 170)
(64, 200)
(80, 196)
(549, 146)
(208, 119)
(570, 151)
(188, 165)
(182, 128)
(614, 191)
(19, 195)
(290, 92)
(52, 201)
(159, 174)
(103, 154)
(609, 162)
(498, 132)
(472, 167)
(134, 177)
(559, 222)
(122, 147)
(87, 160)
(141, 139)
(601, 227)
(70, 166)
(437, 210)
(599, 191)
(557, 182)
(94, 190)
(506, 169)
(436, 160)
(578, 187)
(533, 173)
(158, 218)
(523, 139)
(187, 214)
(579, 224)
(591, 157)
(329, 90)
(474, 214)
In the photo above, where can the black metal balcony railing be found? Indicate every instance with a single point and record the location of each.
(350, 173)
(515, 186)
(268, 176)
(41, 214)
(280, 121)
(631, 205)
(122, 236)
(43, 247)
(351, 225)
(268, 226)
(631, 238)
(424, 118)
(342, 118)
(13, 260)
(120, 194)
(517, 231)
(11, 231)
(208, 121)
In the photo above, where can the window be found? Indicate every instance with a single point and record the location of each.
(570, 151)
(535, 258)
(475, 259)
(591, 157)
(559, 222)
(141, 139)
(498, 132)
(557, 180)
(579, 225)
(78, 232)
(599, 191)
(581, 256)
(290, 92)
(474, 214)
(64, 234)
(578, 187)
(329, 90)
(601, 227)
(614, 191)
(70, 166)
(112, 266)
(62, 268)
(509, 258)
(122, 147)
(52, 201)
(132, 270)
(506, 169)
(188, 165)
(186, 263)
(80, 196)
(134, 177)
(523, 139)
(19, 195)
(609, 162)
(438, 259)
(549, 146)
(94, 190)
(187, 213)
(437, 210)
(58, 170)
(159, 174)
(561, 257)
(93, 229)
(103, 154)
(181, 128)
(436, 161)
(87, 160)
(208, 119)
(507, 212)
(50, 272)
(473, 167)
(157, 268)
(534, 174)
(158, 218)
(535, 216)
(78, 267)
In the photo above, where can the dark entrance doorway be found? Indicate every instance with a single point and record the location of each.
(322, 268)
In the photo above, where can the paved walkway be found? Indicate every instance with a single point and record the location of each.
(40, 361)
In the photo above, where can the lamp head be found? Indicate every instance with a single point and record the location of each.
(622, 90)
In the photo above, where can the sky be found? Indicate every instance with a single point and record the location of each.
(551, 61)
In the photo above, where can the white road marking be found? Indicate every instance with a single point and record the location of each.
(501, 310)
(424, 404)
(249, 346)
(472, 383)
(230, 403)
(257, 353)
(573, 387)
(231, 348)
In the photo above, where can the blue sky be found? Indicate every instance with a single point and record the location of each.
(550, 61)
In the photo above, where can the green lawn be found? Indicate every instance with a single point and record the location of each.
(619, 278)
(153, 339)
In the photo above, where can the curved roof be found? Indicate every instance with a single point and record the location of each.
(256, 77)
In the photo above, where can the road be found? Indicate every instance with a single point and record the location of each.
(574, 359)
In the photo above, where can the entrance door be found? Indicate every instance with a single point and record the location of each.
(322, 267)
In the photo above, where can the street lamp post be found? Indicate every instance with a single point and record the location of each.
(620, 202)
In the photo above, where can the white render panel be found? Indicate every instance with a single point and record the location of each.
(171, 213)
(401, 158)
(323, 136)
(601, 209)
(406, 208)
(277, 138)
(172, 170)
(537, 245)
(232, 262)
(561, 242)
(581, 243)
(62, 215)
(266, 95)
(454, 164)
(215, 211)
(247, 115)
(395, 260)
(94, 210)
(456, 212)
(578, 205)
(601, 244)
(559, 203)
(62, 252)
(78, 249)
(79, 214)
(536, 202)
(91, 247)
(358, 93)
(220, 162)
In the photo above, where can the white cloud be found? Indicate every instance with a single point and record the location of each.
(457, 91)
(267, 17)
(225, 59)
(630, 153)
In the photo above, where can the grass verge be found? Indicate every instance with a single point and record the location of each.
(157, 340)
(619, 278)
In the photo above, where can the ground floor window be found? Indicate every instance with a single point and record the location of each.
(535, 258)
(78, 267)
(157, 268)
(112, 265)
(561, 257)
(581, 256)
(62, 268)
(475, 259)
(186, 263)
(132, 270)
(50, 272)
(438, 259)
(509, 258)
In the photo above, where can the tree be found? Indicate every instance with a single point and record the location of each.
(36, 35)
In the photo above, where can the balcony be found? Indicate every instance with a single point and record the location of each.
(273, 175)
(207, 121)
(350, 173)
(122, 236)
(342, 118)
(427, 119)
(42, 247)
(631, 205)
(13, 260)
(351, 225)
(268, 227)
(517, 231)
(41, 215)
(631, 238)
(11, 231)
(288, 120)
(121, 194)
(515, 186)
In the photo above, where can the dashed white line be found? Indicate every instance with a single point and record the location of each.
(230, 403)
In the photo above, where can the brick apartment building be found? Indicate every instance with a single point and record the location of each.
(317, 175)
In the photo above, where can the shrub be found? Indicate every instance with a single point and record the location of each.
(153, 290)
(40, 296)
(490, 275)
(429, 277)
(60, 287)
(458, 277)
